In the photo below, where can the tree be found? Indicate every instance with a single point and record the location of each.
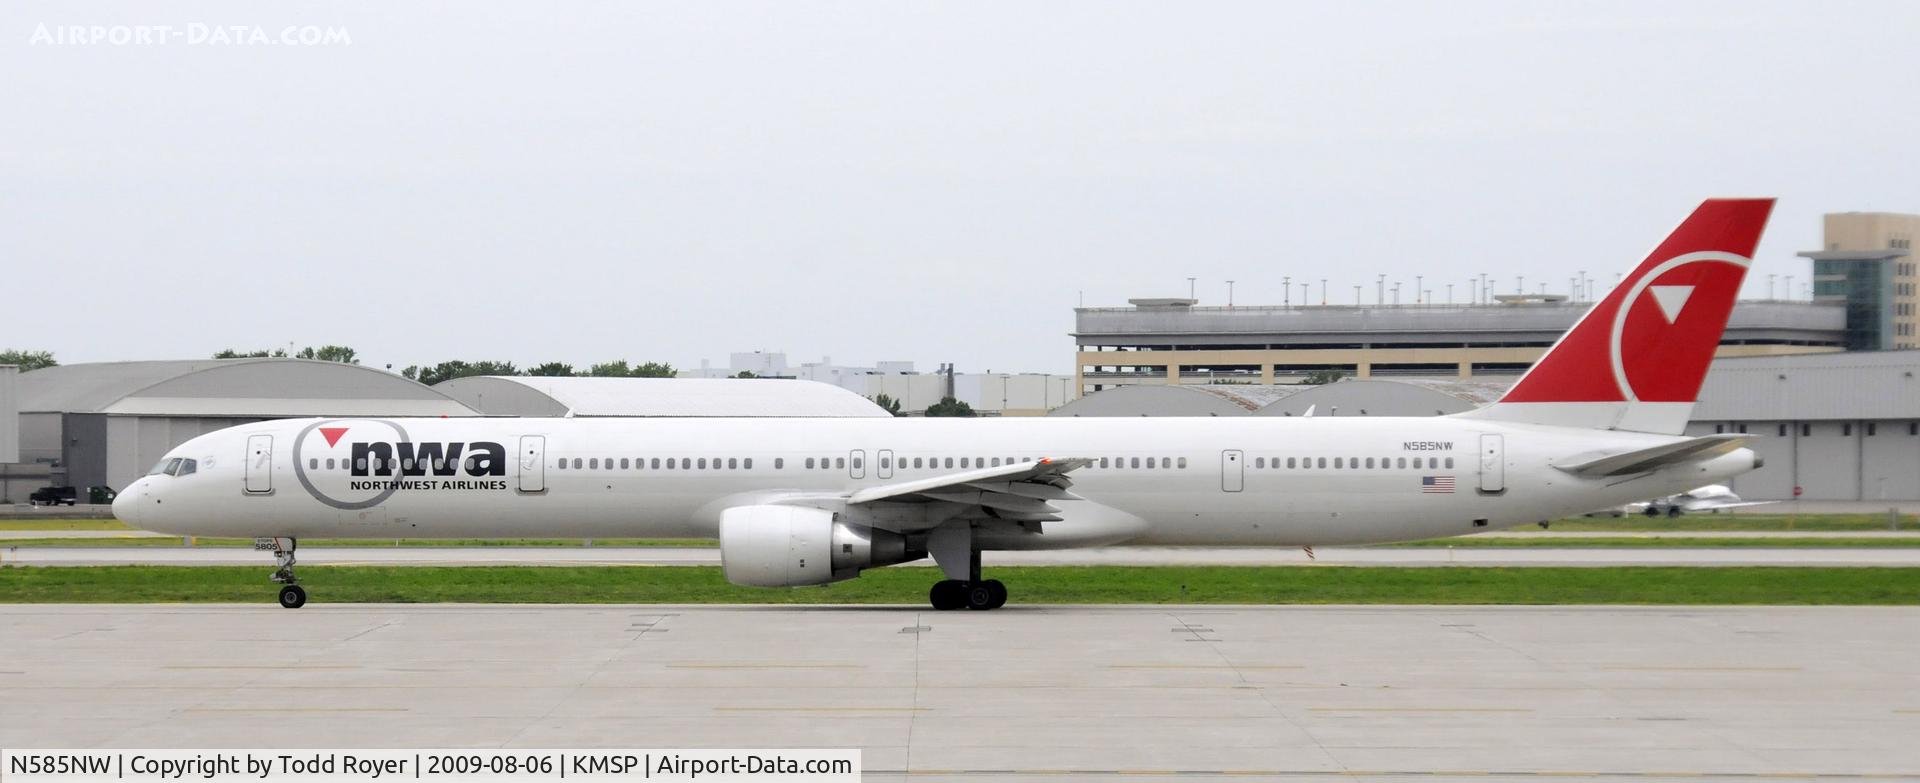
(28, 361)
(233, 354)
(552, 370)
(745, 374)
(654, 370)
(1324, 377)
(888, 403)
(948, 406)
(613, 369)
(446, 371)
(329, 353)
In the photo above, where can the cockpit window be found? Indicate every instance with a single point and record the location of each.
(187, 467)
(170, 467)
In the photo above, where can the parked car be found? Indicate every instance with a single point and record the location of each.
(53, 496)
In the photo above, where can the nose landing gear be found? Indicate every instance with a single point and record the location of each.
(292, 595)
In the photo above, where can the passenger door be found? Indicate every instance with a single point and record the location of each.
(1232, 471)
(533, 464)
(259, 464)
(1493, 464)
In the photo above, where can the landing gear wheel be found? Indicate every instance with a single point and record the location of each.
(948, 594)
(1652, 512)
(980, 595)
(293, 596)
(1673, 511)
(999, 592)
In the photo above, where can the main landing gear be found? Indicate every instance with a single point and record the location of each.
(952, 548)
(957, 594)
(292, 595)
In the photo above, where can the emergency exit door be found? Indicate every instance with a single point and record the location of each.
(1493, 464)
(259, 464)
(533, 464)
(1233, 476)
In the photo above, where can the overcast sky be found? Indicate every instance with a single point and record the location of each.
(888, 181)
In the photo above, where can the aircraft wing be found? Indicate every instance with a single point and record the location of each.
(1642, 460)
(1716, 504)
(1021, 492)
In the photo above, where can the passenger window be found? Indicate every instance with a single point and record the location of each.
(329, 463)
(747, 463)
(1259, 462)
(859, 462)
(1149, 463)
(886, 463)
(313, 464)
(1449, 463)
(686, 463)
(809, 463)
(1369, 463)
(996, 462)
(1136, 462)
(733, 464)
(840, 462)
(576, 463)
(594, 463)
(949, 463)
(1290, 463)
(623, 463)
(779, 462)
(964, 462)
(360, 464)
(1323, 463)
(1183, 463)
(669, 463)
(656, 463)
(1403, 463)
(1339, 462)
(916, 462)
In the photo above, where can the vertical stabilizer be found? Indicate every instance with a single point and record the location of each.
(1636, 360)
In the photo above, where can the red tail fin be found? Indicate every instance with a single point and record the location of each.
(1636, 360)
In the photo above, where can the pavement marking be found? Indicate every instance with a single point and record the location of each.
(1419, 709)
(823, 709)
(268, 668)
(296, 709)
(1770, 669)
(1215, 667)
(765, 666)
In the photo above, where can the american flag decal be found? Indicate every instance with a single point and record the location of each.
(1436, 485)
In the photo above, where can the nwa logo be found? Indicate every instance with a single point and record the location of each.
(358, 464)
(479, 458)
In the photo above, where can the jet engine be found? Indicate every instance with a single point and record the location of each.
(789, 546)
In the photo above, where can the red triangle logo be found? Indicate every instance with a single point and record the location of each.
(332, 434)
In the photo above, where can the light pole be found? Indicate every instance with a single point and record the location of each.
(1789, 286)
(1356, 296)
(1520, 284)
(1380, 290)
(1396, 294)
(1419, 285)
(1190, 287)
(1323, 292)
(1304, 288)
(1286, 292)
(1449, 294)
(1770, 286)
(1229, 293)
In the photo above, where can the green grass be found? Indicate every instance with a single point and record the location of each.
(63, 524)
(1548, 540)
(1734, 522)
(1090, 585)
(175, 541)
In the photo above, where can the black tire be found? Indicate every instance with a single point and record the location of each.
(1673, 511)
(980, 595)
(947, 594)
(1653, 512)
(999, 593)
(293, 596)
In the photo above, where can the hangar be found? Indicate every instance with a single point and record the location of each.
(1832, 426)
(512, 395)
(106, 423)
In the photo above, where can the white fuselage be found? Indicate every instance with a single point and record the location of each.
(1213, 481)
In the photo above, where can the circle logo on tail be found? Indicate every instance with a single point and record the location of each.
(330, 442)
(1669, 322)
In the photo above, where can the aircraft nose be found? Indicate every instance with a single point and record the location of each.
(126, 505)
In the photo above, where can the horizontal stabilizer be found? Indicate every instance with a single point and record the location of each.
(1642, 460)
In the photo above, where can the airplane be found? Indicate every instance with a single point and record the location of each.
(1596, 422)
(1710, 498)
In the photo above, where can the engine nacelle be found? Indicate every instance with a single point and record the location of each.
(789, 546)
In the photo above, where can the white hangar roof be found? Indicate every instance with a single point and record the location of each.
(250, 388)
(512, 395)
